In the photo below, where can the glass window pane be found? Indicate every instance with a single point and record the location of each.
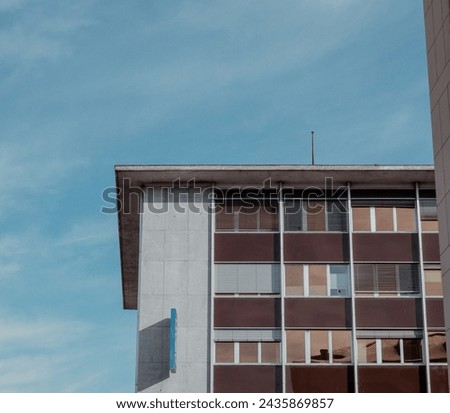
(293, 215)
(248, 352)
(339, 280)
(319, 347)
(409, 279)
(361, 218)
(315, 215)
(433, 282)
(268, 217)
(224, 352)
(437, 347)
(384, 219)
(248, 217)
(406, 219)
(412, 350)
(295, 346)
(390, 350)
(430, 226)
(318, 280)
(365, 278)
(224, 217)
(337, 216)
(342, 351)
(387, 279)
(270, 352)
(294, 280)
(367, 351)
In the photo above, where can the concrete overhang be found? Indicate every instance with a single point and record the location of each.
(131, 178)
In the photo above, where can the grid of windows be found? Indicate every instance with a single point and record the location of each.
(247, 279)
(308, 280)
(381, 218)
(246, 215)
(315, 215)
(318, 346)
(247, 352)
(389, 350)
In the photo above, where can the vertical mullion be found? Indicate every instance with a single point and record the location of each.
(352, 285)
(305, 280)
(283, 346)
(213, 289)
(422, 288)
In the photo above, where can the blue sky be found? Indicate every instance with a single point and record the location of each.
(88, 84)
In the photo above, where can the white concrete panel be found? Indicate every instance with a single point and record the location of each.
(176, 245)
(196, 315)
(153, 242)
(197, 352)
(175, 277)
(198, 277)
(152, 277)
(198, 245)
(174, 268)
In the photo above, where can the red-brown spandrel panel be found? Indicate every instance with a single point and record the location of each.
(435, 313)
(246, 247)
(430, 247)
(318, 312)
(247, 379)
(439, 379)
(392, 379)
(375, 247)
(247, 312)
(388, 313)
(309, 247)
(319, 379)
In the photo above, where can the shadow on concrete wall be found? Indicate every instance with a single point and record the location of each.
(154, 354)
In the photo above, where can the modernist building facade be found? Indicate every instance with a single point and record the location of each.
(437, 27)
(283, 278)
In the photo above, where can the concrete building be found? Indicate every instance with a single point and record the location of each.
(283, 278)
(437, 27)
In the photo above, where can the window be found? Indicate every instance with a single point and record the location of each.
(390, 350)
(315, 215)
(387, 279)
(437, 347)
(246, 215)
(247, 346)
(247, 279)
(318, 346)
(433, 281)
(383, 218)
(428, 215)
(317, 280)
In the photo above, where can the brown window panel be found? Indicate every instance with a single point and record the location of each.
(317, 312)
(384, 218)
(435, 312)
(309, 247)
(406, 219)
(247, 312)
(377, 247)
(430, 245)
(247, 247)
(319, 379)
(392, 379)
(388, 313)
(247, 379)
(439, 379)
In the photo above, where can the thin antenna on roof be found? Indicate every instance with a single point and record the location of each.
(312, 147)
